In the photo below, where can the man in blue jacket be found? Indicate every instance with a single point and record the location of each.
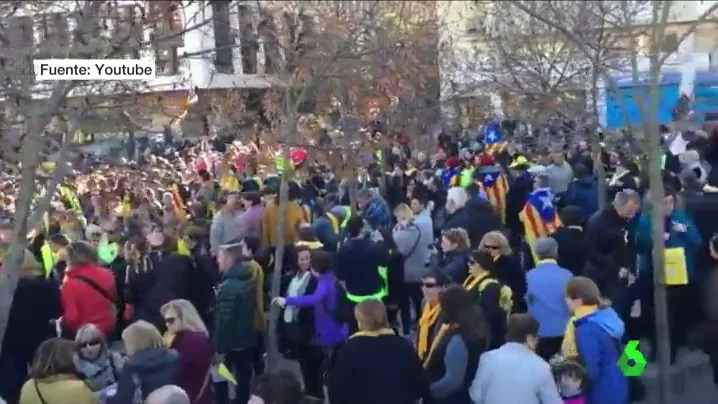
(545, 291)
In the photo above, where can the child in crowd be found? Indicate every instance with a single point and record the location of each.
(570, 377)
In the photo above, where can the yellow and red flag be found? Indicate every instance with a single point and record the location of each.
(496, 186)
(539, 217)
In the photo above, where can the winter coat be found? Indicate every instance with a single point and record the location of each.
(82, 304)
(583, 192)
(195, 361)
(322, 301)
(455, 265)
(408, 240)
(57, 389)
(598, 338)
(101, 372)
(148, 291)
(151, 368)
(690, 241)
(234, 316)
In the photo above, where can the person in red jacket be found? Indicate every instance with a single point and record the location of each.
(88, 292)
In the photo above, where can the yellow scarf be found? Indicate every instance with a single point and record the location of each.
(437, 339)
(167, 338)
(568, 346)
(428, 317)
(377, 333)
(473, 280)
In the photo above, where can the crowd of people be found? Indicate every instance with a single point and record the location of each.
(484, 274)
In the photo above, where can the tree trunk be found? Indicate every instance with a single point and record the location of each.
(598, 167)
(657, 233)
(273, 355)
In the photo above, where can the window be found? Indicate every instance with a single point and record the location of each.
(248, 41)
(166, 60)
(223, 37)
(266, 30)
(166, 16)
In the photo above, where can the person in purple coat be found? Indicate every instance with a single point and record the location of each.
(190, 339)
(328, 333)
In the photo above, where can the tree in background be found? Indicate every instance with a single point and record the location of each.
(635, 21)
(42, 117)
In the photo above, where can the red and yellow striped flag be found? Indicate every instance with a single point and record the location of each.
(496, 186)
(539, 217)
(178, 204)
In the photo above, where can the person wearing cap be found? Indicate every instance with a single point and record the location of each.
(521, 187)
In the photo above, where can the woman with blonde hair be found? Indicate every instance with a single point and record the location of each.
(455, 252)
(190, 339)
(507, 267)
(36, 303)
(53, 378)
(149, 364)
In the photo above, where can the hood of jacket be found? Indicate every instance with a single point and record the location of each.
(240, 271)
(152, 360)
(608, 320)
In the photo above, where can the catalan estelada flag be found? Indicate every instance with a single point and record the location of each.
(539, 217)
(496, 186)
(178, 204)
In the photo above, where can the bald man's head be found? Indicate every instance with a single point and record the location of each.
(168, 395)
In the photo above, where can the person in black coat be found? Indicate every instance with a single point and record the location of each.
(472, 213)
(35, 304)
(521, 186)
(376, 365)
(507, 268)
(571, 240)
(153, 278)
(609, 255)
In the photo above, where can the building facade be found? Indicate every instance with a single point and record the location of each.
(200, 48)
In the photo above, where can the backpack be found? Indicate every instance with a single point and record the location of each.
(343, 309)
(505, 294)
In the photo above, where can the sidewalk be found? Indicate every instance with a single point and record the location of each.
(691, 380)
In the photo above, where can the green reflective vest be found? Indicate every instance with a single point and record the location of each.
(382, 293)
(467, 177)
(48, 262)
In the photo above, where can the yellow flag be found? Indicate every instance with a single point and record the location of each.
(225, 374)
